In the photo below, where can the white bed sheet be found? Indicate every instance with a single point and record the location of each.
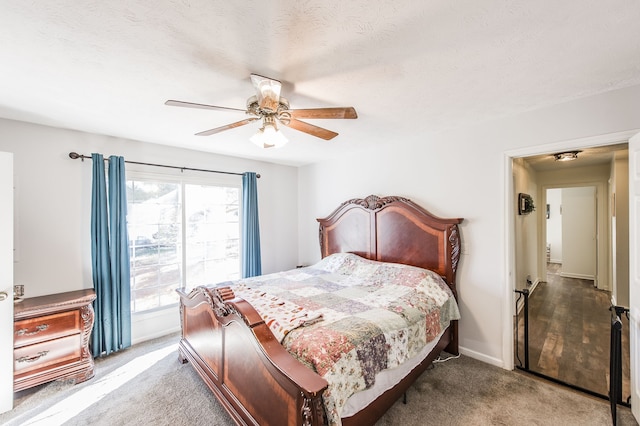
(385, 380)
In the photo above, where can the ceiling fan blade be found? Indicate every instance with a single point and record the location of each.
(171, 102)
(316, 131)
(227, 127)
(338, 112)
(268, 92)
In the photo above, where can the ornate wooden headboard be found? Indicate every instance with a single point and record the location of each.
(393, 229)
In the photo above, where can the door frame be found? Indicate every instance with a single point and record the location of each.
(509, 221)
(634, 271)
(600, 223)
(6, 282)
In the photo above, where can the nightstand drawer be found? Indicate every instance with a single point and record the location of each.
(47, 327)
(47, 353)
(51, 337)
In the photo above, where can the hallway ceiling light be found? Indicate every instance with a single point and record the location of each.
(566, 156)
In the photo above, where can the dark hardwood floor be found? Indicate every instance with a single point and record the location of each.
(569, 333)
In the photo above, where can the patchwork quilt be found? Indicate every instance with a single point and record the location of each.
(348, 318)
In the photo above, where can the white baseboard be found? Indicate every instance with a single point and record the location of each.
(150, 325)
(533, 286)
(578, 276)
(481, 357)
(531, 290)
(139, 339)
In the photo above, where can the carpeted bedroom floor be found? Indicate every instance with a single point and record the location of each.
(146, 384)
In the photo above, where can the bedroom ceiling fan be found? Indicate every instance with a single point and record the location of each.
(271, 108)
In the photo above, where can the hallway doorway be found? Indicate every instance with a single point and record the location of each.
(569, 294)
(572, 231)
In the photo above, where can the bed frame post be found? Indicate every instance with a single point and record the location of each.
(453, 251)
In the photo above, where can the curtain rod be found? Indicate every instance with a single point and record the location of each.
(75, 156)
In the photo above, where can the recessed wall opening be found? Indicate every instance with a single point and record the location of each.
(570, 262)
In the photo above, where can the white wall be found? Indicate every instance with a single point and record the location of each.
(53, 197)
(460, 173)
(620, 230)
(526, 226)
(6, 282)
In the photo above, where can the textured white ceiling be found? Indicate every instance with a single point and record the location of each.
(407, 66)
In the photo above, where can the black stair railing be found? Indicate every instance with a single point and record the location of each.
(615, 356)
(615, 361)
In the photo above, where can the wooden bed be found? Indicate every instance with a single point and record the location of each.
(253, 376)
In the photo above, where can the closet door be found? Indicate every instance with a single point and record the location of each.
(6, 282)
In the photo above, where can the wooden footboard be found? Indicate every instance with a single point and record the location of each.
(252, 375)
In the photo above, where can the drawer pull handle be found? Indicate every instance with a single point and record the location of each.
(26, 332)
(32, 358)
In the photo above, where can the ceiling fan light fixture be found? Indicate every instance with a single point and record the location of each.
(268, 91)
(566, 156)
(267, 105)
(268, 136)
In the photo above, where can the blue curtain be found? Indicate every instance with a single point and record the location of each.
(110, 258)
(251, 262)
(119, 240)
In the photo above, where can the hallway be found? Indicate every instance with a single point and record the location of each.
(569, 333)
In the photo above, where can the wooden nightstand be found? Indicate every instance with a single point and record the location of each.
(51, 338)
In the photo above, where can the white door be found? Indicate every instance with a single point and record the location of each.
(634, 271)
(579, 233)
(6, 282)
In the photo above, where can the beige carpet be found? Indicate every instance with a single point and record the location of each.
(147, 385)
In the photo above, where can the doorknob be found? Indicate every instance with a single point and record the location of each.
(3, 295)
